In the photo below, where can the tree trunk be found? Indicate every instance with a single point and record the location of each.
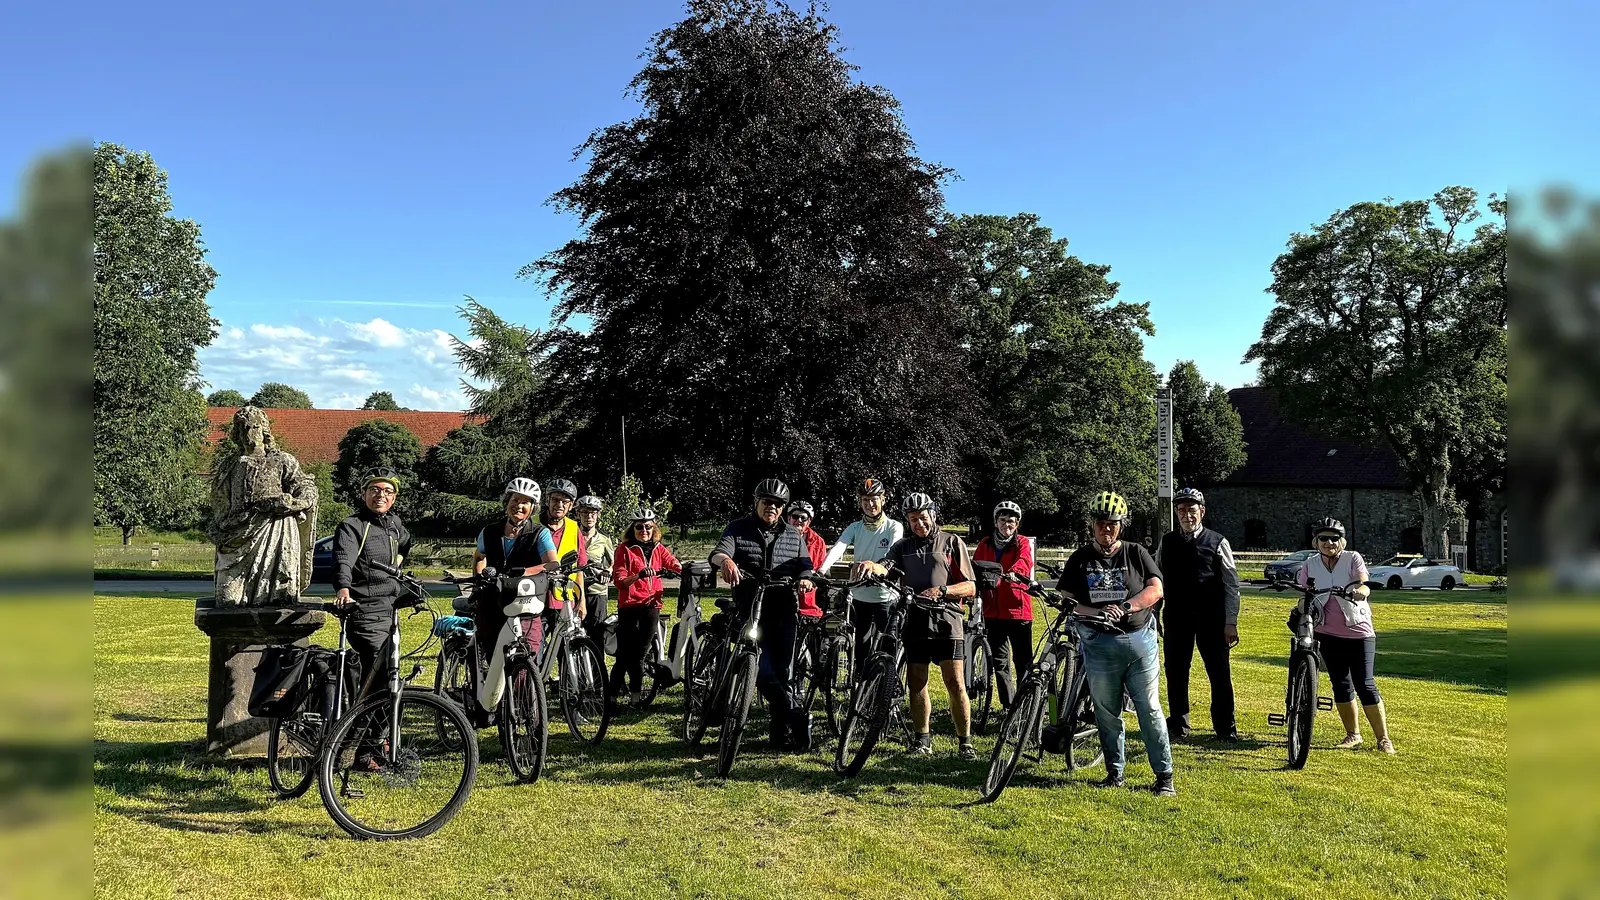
(1436, 510)
(127, 534)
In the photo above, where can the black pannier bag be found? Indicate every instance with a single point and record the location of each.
(280, 681)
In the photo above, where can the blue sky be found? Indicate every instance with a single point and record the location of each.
(357, 172)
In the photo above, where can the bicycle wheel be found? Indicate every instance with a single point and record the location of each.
(1075, 711)
(1018, 729)
(583, 691)
(450, 680)
(741, 691)
(385, 787)
(980, 685)
(698, 692)
(805, 670)
(837, 674)
(293, 744)
(648, 685)
(524, 722)
(869, 712)
(1301, 708)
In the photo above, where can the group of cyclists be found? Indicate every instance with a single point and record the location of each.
(1118, 591)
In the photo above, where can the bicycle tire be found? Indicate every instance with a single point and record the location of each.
(869, 713)
(524, 722)
(584, 701)
(806, 667)
(741, 693)
(649, 685)
(980, 685)
(293, 744)
(698, 694)
(1301, 709)
(449, 680)
(1019, 727)
(421, 711)
(838, 674)
(1075, 711)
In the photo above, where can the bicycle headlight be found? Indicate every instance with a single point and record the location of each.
(755, 632)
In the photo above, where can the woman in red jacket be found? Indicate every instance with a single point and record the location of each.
(800, 514)
(636, 571)
(1008, 609)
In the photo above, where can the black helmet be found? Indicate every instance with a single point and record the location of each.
(1189, 495)
(870, 486)
(381, 474)
(774, 489)
(561, 486)
(1329, 524)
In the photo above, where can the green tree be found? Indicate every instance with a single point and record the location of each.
(621, 502)
(472, 462)
(374, 443)
(382, 400)
(1059, 366)
(1206, 432)
(1390, 322)
(226, 398)
(759, 274)
(509, 360)
(276, 395)
(150, 318)
(330, 511)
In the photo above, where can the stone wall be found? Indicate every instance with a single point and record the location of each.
(1374, 518)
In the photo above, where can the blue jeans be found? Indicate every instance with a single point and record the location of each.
(1126, 661)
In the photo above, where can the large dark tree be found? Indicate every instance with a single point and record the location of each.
(1206, 431)
(1391, 322)
(761, 274)
(375, 443)
(150, 319)
(1058, 364)
(383, 401)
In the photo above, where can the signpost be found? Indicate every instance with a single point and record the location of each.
(1163, 460)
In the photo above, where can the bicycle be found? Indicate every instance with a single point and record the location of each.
(520, 713)
(1056, 686)
(980, 672)
(877, 704)
(580, 684)
(294, 742)
(670, 657)
(723, 682)
(1300, 699)
(806, 669)
(835, 677)
(399, 744)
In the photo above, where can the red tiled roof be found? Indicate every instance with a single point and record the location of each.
(1281, 453)
(313, 435)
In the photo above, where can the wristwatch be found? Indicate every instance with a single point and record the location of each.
(944, 589)
(1127, 606)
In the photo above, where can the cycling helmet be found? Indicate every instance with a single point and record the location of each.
(561, 486)
(590, 501)
(870, 486)
(774, 489)
(1189, 495)
(801, 506)
(917, 502)
(1109, 505)
(527, 487)
(642, 514)
(1329, 524)
(1006, 506)
(382, 474)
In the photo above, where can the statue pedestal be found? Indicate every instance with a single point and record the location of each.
(238, 635)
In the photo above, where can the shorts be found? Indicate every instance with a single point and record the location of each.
(923, 651)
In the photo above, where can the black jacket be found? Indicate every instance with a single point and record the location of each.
(779, 551)
(387, 542)
(1201, 582)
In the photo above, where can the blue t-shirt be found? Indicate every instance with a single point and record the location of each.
(541, 545)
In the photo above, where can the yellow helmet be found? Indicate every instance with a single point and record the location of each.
(1109, 505)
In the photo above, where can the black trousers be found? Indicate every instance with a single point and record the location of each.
(863, 618)
(778, 630)
(369, 631)
(594, 618)
(1351, 663)
(1182, 637)
(635, 626)
(1011, 650)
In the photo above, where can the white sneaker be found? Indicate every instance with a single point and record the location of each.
(1350, 742)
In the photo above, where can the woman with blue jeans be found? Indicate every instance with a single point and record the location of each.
(1120, 584)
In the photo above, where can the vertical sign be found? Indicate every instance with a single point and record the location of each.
(1164, 443)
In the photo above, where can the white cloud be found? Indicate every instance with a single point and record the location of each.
(380, 332)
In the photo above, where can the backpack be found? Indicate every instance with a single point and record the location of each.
(280, 682)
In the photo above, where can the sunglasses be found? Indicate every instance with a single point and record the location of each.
(1328, 538)
(768, 501)
(799, 517)
(646, 526)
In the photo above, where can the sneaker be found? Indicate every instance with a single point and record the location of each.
(1230, 737)
(967, 751)
(1164, 786)
(1386, 746)
(921, 745)
(1350, 742)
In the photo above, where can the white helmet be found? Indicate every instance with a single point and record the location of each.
(527, 487)
(1006, 506)
(590, 501)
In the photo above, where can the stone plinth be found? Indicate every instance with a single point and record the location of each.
(238, 635)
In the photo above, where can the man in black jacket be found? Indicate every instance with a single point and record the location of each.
(764, 543)
(372, 535)
(1201, 608)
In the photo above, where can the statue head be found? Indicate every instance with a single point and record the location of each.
(252, 432)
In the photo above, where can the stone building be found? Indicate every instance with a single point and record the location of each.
(1293, 478)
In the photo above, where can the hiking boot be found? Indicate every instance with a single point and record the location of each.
(921, 745)
(1231, 736)
(1350, 742)
(1177, 729)
(1163, 786)
(967, 751)
(1387, 746)
(1113, 779)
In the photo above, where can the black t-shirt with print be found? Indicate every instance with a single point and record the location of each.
(1096, 580)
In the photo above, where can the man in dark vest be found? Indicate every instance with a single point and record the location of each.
(1201, 608)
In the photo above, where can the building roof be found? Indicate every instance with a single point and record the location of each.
(313, 435)
(1283, 454)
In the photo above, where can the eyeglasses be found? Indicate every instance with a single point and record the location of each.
(768, 501)
(1328, 538)
(381, 491)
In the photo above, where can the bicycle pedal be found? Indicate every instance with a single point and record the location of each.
(354, 793)
(1324, 703)
(1276, 719)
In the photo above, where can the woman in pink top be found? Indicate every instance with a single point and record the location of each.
(1349, 645)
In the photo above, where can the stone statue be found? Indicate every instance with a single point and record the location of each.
(263, 518)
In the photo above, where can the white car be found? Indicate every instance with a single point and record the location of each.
(1414, 572)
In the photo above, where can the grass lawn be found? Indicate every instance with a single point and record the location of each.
(639, 817)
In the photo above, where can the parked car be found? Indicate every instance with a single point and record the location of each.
(1414, 572)
(1281, 573)
(322, 561)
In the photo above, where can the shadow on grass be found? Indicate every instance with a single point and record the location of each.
(174, 785)
(158, 720)
(1468, 656)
